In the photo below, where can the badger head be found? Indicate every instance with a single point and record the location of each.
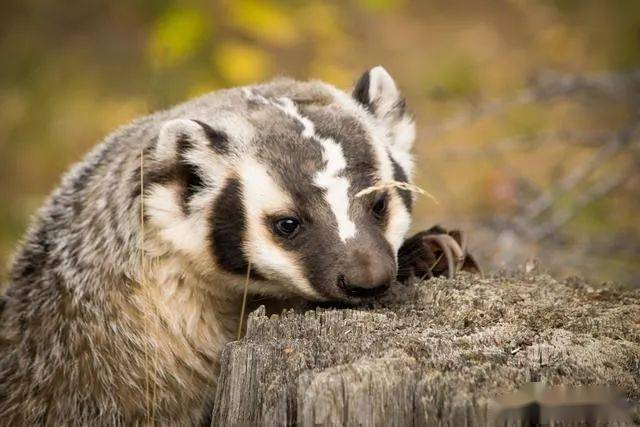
(272, 183)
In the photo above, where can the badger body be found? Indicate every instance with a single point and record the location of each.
(130, 279)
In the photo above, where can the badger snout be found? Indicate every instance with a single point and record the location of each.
(368, 273)
(368, 290)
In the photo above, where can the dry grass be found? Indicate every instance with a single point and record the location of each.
(397, 184)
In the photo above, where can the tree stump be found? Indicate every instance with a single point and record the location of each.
(437, 352)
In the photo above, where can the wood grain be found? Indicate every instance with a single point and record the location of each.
(432, 353)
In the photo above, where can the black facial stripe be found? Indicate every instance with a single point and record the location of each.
(219, 140)
(400, 175)
(361, 91)
(228, 229)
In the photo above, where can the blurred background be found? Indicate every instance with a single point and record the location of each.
(527, 111)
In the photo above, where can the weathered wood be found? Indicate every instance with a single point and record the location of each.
(435, 352)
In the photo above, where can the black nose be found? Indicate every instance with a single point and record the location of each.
(362, 292)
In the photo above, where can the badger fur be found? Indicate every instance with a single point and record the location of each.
(130, 279)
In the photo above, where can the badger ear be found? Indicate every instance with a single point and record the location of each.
(181, 179)
(377, 92)
(188, 155)
(180, 135)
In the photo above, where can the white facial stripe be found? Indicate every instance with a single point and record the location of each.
(262, 194)
(336, 187)
(399, 216)
(398, 224)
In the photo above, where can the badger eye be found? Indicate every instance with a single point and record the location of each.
(286, 227)
(379, 206)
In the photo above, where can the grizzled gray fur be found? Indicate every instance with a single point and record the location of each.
(130, 278)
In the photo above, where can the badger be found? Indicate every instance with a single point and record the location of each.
(131, 276)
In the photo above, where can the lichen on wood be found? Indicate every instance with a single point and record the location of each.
(434, 352)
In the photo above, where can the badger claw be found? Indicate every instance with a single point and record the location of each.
(435, 252)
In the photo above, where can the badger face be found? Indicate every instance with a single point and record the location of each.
(283, 198)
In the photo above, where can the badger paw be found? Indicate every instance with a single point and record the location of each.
(435, 252)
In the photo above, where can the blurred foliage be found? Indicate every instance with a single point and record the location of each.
(176, 36)
(71, 74)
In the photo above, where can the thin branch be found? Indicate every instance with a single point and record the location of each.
(549, 84)
(532, 141)
(492, 108)
(546, 86)
(596, 192)
(578, 175)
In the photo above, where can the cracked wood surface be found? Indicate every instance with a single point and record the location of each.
(430, 353)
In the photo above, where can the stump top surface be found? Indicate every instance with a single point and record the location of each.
(443, 347)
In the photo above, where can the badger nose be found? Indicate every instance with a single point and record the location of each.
(367, 281)
(356, 290)
(368, 269)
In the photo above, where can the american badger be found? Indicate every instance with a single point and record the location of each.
(131, 277)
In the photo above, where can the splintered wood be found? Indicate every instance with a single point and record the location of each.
(439, 352)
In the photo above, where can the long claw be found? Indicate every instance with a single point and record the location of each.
(435, 252)
(469, 264)
(461, 238)
(451, 250)
(457, 250)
